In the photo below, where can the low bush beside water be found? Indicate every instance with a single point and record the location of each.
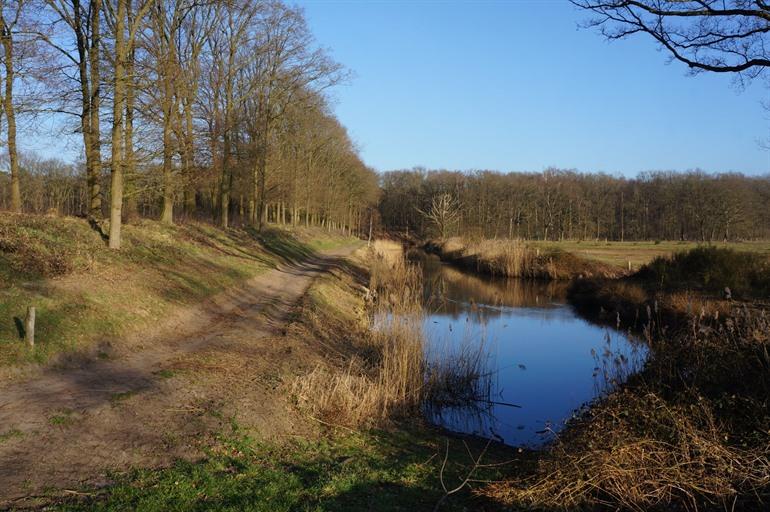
(711, 270)
(691, 432)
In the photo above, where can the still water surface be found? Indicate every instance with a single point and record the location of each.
(540, 355)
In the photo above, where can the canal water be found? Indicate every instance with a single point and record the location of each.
(541, 361)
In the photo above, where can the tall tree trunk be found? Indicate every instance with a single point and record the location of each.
(187, 164)
(131, 209)
(118, 110)
(168, 106)
(261, 207)
(167, 217)
(94, 149)
(261, 171)
(226, 180)
(10, 114)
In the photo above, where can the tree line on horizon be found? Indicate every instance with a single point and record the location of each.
(567, 205)
(184, 109)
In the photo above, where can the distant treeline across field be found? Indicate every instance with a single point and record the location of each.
(562, 204)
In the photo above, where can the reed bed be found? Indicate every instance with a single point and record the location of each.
(374, 387)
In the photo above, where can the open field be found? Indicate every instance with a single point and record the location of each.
(639, 253)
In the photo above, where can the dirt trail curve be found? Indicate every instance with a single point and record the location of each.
(158, 397)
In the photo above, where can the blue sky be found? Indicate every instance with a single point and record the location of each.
(516, 86)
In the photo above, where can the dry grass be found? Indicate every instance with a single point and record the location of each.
(671, 458)
(693, 303)
(508, 258)
(395, 283)
(371, 390)
(383, 377)
(459, 376)
(640, 252)
(516, 258)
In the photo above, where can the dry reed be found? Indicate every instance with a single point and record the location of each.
(385, 379)
(391, 375)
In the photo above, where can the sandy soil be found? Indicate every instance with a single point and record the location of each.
(159, 396)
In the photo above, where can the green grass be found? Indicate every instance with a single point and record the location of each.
(85, 293)
(62, 419)
(374, 471)
(641, 253)
(10, 434)
(165, 374)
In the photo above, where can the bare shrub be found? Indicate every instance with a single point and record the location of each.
(46, 247)
(638, 453)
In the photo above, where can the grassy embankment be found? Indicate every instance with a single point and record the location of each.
(641, 252)
(87, 296)
(85, 293)
(516, 258)
(567, 259)
(374, 453)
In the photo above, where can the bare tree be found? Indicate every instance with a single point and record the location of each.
(80, 49)
(443, 213)
(723, 36)
(124, 28)
(562, 204)
(10, 13)
(246, 74)
(286, 68)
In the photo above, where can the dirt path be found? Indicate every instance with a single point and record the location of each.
(163, 396)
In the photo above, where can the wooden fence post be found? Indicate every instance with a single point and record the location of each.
(29, 326)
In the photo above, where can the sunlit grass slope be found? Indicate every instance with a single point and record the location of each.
(86, 294)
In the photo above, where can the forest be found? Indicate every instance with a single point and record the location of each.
(568, 205)
(184, 110)
(220, 111)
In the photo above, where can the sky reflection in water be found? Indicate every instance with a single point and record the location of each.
(541, 355)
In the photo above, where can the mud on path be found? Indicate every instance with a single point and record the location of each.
(159, 396)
